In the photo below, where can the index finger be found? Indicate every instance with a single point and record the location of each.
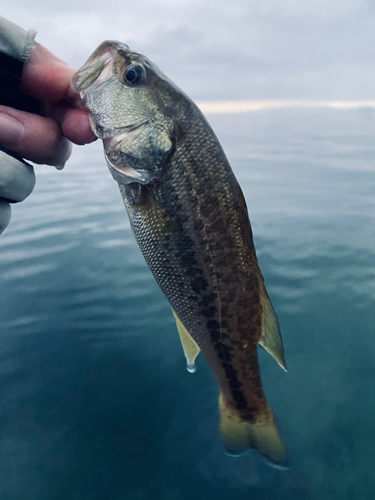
(45, 76)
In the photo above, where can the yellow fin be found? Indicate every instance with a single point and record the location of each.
(262, 434)
(270, 337)
(190, 347)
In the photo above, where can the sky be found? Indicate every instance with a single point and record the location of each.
(224, 49)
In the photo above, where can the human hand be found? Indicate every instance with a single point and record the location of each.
(44, 139)
(40, 139)
(17, 180)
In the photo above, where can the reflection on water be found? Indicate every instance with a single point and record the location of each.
(220, 107)
(96, 400)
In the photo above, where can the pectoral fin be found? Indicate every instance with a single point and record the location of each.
(190, 347)
(271, 338)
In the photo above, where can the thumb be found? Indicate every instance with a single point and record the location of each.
(5, 214)
(33, 137)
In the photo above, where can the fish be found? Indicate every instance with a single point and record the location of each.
(189, 217)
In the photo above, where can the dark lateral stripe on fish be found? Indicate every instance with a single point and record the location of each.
(199, 284)
(190, 220)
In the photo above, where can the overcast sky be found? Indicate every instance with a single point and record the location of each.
(223, 49)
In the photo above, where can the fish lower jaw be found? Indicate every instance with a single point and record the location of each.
(127, 175)
(101, 131)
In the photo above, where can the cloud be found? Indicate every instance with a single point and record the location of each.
(223, 50)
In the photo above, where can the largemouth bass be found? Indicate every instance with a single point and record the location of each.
(189, 218)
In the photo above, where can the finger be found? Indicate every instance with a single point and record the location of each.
(5, 214)
(74, 123)
(76, 127)
(17, 178)
(33, 137)
(45, 76)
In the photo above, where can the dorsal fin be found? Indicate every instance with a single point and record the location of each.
(270, 338)
(190, 347)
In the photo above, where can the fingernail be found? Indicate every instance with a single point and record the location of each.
(63, 154)
(11, 131)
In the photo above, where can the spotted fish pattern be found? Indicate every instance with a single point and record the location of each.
(190, 220)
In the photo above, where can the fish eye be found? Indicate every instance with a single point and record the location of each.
(134, 75)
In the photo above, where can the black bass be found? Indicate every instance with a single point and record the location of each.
(190, 220)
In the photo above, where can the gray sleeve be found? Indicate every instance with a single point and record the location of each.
(15, 41)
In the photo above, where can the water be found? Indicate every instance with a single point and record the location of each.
(96, 402)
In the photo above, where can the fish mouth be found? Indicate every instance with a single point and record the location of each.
(96, 72)
(115, 155)
(118, 160)
(97, 69)
(114, 135)
(128, 175)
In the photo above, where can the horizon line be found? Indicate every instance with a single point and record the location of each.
(243, 106)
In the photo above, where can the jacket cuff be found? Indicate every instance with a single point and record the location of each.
(16, 45)
(16, 42)
(29, 44)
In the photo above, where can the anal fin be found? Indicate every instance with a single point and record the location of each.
(190, 347)
(270, 338)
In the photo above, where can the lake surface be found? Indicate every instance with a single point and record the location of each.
(96, 402)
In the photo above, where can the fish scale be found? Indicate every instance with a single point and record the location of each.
(190, 220)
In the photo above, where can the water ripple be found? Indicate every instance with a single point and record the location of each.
(35, 253)
(88, 343)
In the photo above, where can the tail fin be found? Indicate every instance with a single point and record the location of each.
(262, 434)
